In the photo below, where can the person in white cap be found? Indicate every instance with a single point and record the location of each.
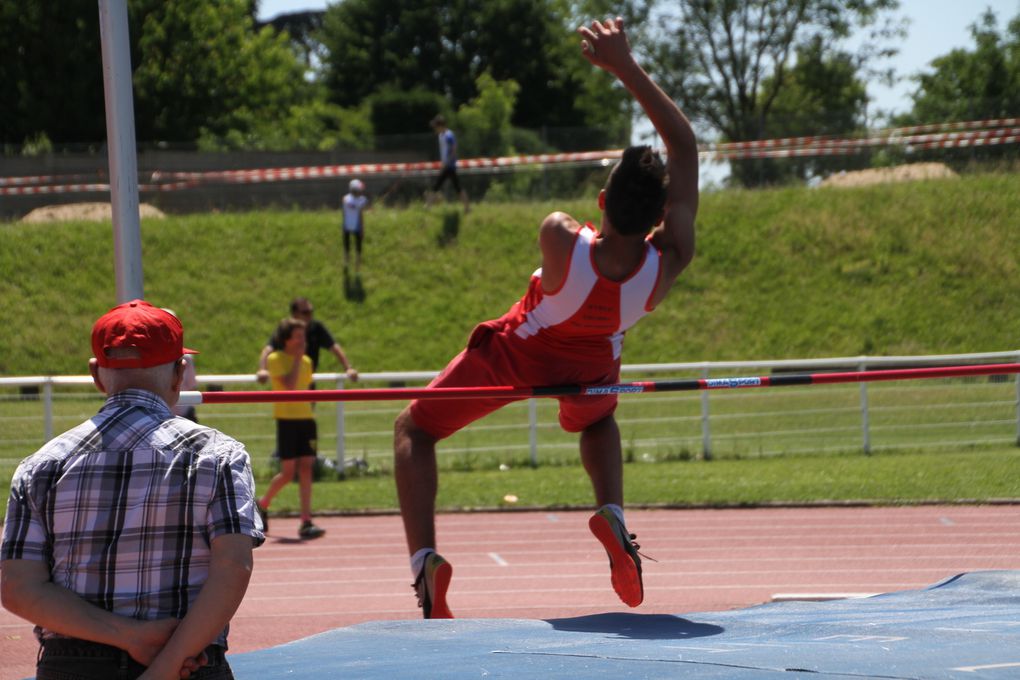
(356, 202)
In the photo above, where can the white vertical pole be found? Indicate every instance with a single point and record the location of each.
(120, 142)
(1016, 379)
(865, 419)
(533, 430)
(340, 434)
(48, 406)
(706, 430)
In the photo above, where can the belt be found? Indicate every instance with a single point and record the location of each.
(215, 654)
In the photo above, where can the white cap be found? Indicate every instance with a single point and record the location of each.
(356, 185)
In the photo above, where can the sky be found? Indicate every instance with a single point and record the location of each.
(936, 27)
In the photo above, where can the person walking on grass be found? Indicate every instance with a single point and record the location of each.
(128, 539)
(447, 162)
(355, 203)
(568, 328)
(296, 431)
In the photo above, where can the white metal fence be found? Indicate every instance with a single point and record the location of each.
(863, 416)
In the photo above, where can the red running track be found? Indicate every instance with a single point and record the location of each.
(547, 565)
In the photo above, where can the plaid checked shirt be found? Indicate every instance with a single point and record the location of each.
(123, 507)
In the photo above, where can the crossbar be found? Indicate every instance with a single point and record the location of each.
(513, 393)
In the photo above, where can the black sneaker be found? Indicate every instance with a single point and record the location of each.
(431, 585)
(309, 530)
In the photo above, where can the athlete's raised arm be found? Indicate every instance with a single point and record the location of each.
(605, 45)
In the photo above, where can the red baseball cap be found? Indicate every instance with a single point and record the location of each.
(156, 334)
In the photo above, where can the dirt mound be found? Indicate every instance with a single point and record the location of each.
(900, 173)
(94, 212)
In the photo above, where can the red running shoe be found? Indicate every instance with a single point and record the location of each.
(624, 561)
(431, 586)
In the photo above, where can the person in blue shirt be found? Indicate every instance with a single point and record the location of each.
(448, 161)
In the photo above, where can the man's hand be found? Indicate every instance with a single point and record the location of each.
(147, 638)
(297, 351)
(605, 45)
(352, 374)
(262, 376)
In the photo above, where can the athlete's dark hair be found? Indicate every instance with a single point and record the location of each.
(636, 191)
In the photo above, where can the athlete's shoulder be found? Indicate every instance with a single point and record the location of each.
(559, 221)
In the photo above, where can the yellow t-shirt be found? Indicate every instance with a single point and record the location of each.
(279, 365)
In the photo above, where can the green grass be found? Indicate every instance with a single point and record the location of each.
(920, 268)
(900, 478)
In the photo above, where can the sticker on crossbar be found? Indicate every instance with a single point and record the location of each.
(615, 389)
(713, 383)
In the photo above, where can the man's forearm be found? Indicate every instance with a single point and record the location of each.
(264, 357)
(665, 116)
(56, 608)
(290, 380)
(339, 353)
(217, 601)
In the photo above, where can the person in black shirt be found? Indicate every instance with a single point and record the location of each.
(317, 337)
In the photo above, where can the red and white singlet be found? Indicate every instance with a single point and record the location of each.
(588, 314)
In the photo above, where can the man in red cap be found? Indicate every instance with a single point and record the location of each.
(128, 539)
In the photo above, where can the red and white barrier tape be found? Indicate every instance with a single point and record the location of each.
(1004, 131)
(890, 132)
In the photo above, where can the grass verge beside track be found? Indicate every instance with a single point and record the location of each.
(975, 476)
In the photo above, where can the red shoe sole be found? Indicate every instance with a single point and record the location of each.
(440, 584)
(625, 576)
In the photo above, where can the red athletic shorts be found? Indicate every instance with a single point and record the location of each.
(495, 357)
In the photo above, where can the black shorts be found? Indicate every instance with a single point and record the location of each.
(296, 438)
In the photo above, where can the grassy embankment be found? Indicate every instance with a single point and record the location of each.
(902, 269)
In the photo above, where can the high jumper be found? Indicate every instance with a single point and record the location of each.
(568, 328)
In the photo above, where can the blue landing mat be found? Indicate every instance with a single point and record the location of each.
(965, 627)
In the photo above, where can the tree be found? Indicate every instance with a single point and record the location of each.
(978, 84)
(823, 96)
(199, 68)
(444, 46)
(302, 28)
(486, 119)
(51, 71)
(728, 61)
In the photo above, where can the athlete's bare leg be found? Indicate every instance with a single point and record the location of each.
(602, 456)
(279, 480)
(305, 468)
(414, 467)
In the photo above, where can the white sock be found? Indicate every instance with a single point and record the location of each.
(617, 510)
(418, 560)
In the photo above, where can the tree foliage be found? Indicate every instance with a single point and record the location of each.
(51, 71)
(824, 95)
(200, 68)
(445, 46)
(972, 84)
(728, 61)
